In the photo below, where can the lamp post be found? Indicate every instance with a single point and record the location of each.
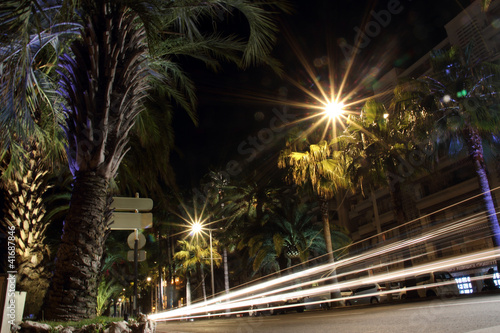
(196, 228)
(211, 262)
(151, 292)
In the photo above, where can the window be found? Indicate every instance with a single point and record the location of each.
(423, 278)
(446, 276)
(464, 285)
(364, 288)
(496, 279)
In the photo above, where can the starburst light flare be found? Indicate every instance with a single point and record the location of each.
(334, 110)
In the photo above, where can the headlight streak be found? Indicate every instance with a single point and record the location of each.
(192, 311)
(257, 295)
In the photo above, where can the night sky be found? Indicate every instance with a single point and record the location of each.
(396, 33)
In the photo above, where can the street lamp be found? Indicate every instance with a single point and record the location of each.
(334, 109)
(197, 228)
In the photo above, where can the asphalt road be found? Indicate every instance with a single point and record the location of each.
(476, 314)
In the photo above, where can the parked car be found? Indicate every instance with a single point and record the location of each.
(399, 291)
(311, 302)
(275, 307)
(367, 294)
(440, 284)
(345, 292)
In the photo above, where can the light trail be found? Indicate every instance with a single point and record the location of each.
(203, 309)
(261, 295)
(306, 273)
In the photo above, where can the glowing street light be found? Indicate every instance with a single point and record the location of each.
(196, 227)
(334, 109)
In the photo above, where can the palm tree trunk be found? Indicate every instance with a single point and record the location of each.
(73, 291)
(188, 289)
(203, 286)
(326, 230)
(226, 275)
(25, 210)
(399, 212)
(170, 280)
(335, 293)
(226, 271)
(476, 153)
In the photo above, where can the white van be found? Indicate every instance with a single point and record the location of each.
(440, 284)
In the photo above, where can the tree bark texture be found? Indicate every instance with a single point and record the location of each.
(25, 210)
(73, 291)
(326, 229)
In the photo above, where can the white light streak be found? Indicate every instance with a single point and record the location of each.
(272, 294)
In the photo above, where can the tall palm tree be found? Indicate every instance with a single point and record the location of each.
(459, 103)
(326, 170)
(103, 83)
(379, 143)
(31, 141)
(214, 188)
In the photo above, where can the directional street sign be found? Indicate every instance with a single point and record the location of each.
(127, 216)
(125, 204)
(131, 221)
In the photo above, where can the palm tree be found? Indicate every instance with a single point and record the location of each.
(146, 168)
(214, 189)
(301, 237)
(379, 143)
(249, 203)
(103, 83)
(289, 238)
(31, 141)
(194, 256)
(459, 103)
(326, 170)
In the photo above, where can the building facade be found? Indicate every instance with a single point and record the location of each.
(445, 196)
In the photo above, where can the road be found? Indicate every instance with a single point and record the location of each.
(473, 314)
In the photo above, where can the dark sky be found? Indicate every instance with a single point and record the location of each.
(396, 33)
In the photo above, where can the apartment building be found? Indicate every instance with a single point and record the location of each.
(443, 196)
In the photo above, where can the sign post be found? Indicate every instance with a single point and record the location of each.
(127, 216)
(136, 263)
